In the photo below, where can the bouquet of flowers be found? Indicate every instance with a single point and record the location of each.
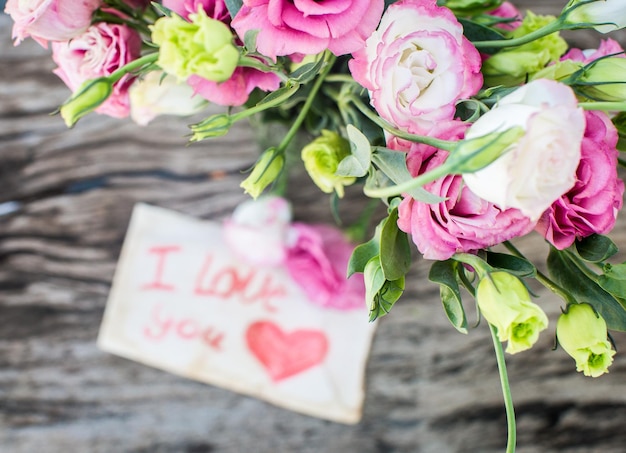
(473, 123)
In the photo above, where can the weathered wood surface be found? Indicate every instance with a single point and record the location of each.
(429, 389)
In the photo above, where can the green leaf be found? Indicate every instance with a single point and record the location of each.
(233, 7)
(477, 32)
(565, 273)
(386, 298)
(249, 40)
(614, 281)
(357, 163)
(393, 165)
(444, 273)
(288, 90)
(469, 7)
(595, 248)
(363, 253)
(520, 267)
(395, 251)
(307, 72)
(374, 280)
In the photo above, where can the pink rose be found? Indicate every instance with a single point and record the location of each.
(318, 261)
(607, 47)
(462, 223)
(308, 26)
(215, 9)
(234, 91)
(591, 206)
(50, 20)
(98, 52)
(417, 65)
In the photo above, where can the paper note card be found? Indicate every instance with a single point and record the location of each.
(181, 301)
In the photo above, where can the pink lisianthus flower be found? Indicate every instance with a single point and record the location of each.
(234, 91)
(215, 9)
(307, 26)
(606, 47)
(317, 260)
(417, 65)
(591, 206)
(50, 20)
(463, 222)
(507, 10)
(100, 51)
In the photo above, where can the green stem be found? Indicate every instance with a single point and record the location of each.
(546, 30)
(480, 266)
(441, 144)
(330, 59)
(406, 186)
(506, 392)
(274, 102)
(249, 62)
(341, 78)
(135, 64)
(603, 106)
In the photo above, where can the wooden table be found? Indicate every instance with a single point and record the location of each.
(429, 389)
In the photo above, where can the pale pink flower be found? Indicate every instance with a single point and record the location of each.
(317, 261)
(417, 65)
(215, 9)
(258, 230)
(507, 10)
(541, 166)
(607, 47)
(591, 206)
(308, 26)
(462, 223)
(50, 20)
(100, 51)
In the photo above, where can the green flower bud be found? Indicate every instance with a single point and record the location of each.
(471, 155)
(213, 126)
(604, 15)
(583, 335)
(265, 172)
(559, 71)
(89, 96)
(505, 303)
(321, 158)
(603, 80)
(203, 47)
(512, 66)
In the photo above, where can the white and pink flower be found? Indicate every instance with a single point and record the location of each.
(50, 20)
(417, 65)
(308, 27)
(540, 167)
(100, 51)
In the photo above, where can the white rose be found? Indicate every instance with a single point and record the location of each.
(542, 165)
(610, 13)
(155, 95)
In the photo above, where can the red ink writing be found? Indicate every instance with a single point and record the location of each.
(230, 282)
(161, 253)
(163, 326)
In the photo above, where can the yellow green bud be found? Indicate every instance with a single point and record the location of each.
(214, 126)
(321, 158)
(582, 334)
(89, 96)
(266, 170)
(473, 154)
(203, 47)
(512, 66)
(603, 80)
(559, 71)
(505, 303)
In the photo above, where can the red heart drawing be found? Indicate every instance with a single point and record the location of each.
(285, 354)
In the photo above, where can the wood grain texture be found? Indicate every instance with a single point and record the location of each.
(429, 389)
